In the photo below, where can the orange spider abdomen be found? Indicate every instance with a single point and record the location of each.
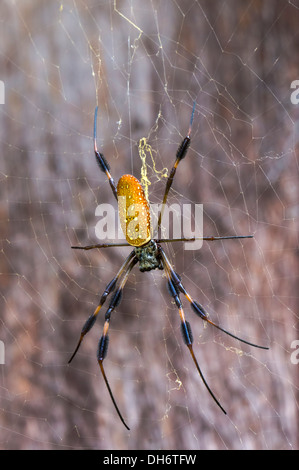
(134, 211)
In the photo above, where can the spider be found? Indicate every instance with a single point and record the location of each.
(150, 255)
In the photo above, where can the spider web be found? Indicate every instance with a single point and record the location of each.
(144, 66)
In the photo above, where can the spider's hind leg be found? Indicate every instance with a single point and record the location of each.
(104, 340)
(109, 288)
(186, 328)
(200, 311)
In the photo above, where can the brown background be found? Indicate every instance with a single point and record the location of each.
(237, 60)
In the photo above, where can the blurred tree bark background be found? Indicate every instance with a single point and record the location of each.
(144, 66)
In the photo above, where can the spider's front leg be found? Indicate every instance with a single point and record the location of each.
(101, 160)
(181, 153)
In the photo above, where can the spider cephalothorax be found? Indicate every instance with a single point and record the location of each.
(134, 216)
(148, 256)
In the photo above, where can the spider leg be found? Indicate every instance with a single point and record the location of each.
(104, 341)
(101, 245)
(181, 153)
(187, 333)
(183, 239)
(164, 240)
(187, 239)
(102, 162)
(109, 288)
(197, 308)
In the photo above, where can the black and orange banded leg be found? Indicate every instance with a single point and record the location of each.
(197, 308)
(101, 160)
(181, 153)
(109, 288)
(186, 327)
(104, 341)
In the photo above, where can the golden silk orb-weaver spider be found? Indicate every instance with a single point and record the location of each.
(148, 252)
